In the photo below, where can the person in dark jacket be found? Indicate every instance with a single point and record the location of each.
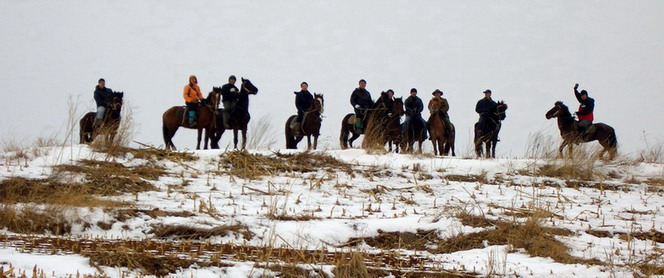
(586, 108)
(102, 97)
(483, 107)
(414, 107)
(229, 96)
(303, 100)
(360, 99)
(386, 102)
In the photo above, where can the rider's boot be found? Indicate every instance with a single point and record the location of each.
(192, 118)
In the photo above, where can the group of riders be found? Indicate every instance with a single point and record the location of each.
(360, 100)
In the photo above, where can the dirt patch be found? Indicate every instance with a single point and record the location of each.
(125, 214)
(599, 233)
(421, 240)
(182, 232)
(463, 178)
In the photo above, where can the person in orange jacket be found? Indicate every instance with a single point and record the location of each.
(192, 96)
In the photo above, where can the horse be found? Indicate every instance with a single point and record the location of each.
(488, 134)
(109, 124)
(174, 118)
(415, 131)
(603, 133)
(392, 130)
(311, 122)
(240, 116)
(442, 142)
(380, 127)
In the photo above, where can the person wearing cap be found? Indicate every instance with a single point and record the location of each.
(192, 95)
(229, 96)
(360, 99)
(438, 104)
(386, 102)
(483, 107)
(303, 100)
(414, 107)
(586, 108)
(102, 97)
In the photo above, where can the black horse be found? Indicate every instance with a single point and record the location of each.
(569, 131)
(488, 133)
(109, 124)
(415, 132)
(239, 116)
(311, 123)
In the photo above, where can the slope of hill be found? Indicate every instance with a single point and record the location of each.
(336, 213)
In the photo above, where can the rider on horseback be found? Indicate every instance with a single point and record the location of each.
(192, 96)
(303, 100)
(386, 102)
(438, 104)
(586, 107)
(229, 97)
(483, 107)
(361, 101)
(102, 97)
(414, 108)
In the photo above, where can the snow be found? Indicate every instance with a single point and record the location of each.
(415, 194)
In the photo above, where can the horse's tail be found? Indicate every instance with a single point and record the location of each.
(290, 138)
(613, 144)
(345, 130)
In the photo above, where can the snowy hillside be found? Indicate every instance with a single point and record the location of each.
(338, 213)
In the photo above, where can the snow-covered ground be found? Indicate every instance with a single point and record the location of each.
(381, 193)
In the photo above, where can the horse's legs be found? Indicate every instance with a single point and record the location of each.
(308, 142)
(353, 138)
(168, 138)
(244, 139)
(198, 142)
(493, 149)
(235, 138)
(419, 146)
(315, 141)
(435, 147)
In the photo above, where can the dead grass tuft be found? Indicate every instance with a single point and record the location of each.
(47, 191)
(570, 170)
(112, 178)
(463, 178)
(351, 266)
(190, 233)
(152, 153)
(253, 166)
(147, 263)
(30, 220)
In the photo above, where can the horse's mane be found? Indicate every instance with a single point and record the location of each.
(562, 106)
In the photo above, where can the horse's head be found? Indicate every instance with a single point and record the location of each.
(116, 101)
(559, 110)
(398, 107)
(247, 87)
(319, 103)
(500, 110)
(214, 97)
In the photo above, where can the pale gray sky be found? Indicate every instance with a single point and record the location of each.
(529, 53)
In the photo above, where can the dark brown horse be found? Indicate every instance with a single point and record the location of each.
(569, 131)
(174, 118)
(381, 126)
(240, 116)
(109, 124)
(488, 134)
(311, 122)
(442, 141)
(415, 132)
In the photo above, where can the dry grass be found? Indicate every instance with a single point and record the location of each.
(47, 191)
(253, 166)
(31, 220)
(351, 266)
(147, 263)
(261, 135)
(571, 169)
(112, 178)
(541, 146)
(182, 232)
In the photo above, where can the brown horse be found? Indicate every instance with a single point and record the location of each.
(240, 116)
(442, 142)
(381, 126)
(174, 118)
(487, 134)
(568, 127)
(109, 124)
(311, 123)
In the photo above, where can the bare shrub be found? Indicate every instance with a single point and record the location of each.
(541, 146)
(653, 152)
(261, 135)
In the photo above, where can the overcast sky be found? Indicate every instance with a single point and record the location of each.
(529, 53)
